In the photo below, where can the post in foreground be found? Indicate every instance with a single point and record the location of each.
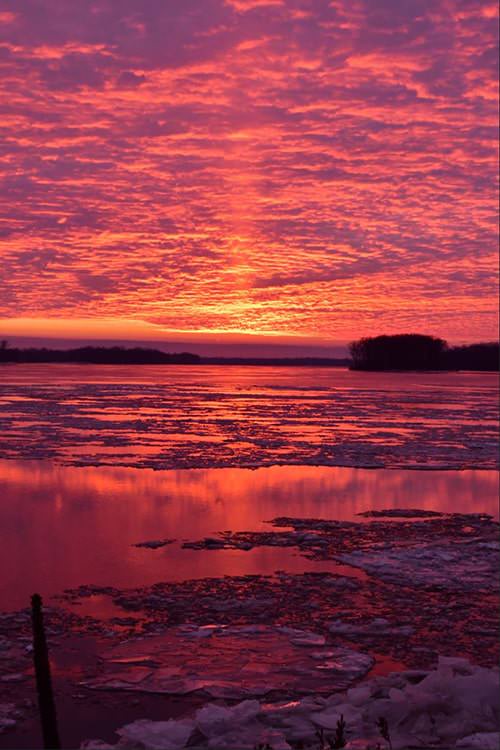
(46, 702)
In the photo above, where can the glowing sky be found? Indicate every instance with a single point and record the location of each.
(302, 168)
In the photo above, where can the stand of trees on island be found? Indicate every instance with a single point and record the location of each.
(402, 352)
(414, 351)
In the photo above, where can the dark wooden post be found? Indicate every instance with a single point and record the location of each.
(46, 702)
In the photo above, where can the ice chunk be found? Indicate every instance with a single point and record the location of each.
(133, 675)
(156, 735)
(328, 718)
(303, 637)
(213, 719)
(359, 695)
(274, 740)
(458, 664)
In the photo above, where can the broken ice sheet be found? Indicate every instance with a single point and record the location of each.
(456, 552)
(379, 626)
(230, 661)
(453, 705)
(454, 567)
(188, 421)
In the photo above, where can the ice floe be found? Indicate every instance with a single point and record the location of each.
(452, 551)
(378, 626)
(401, 513)
(236, 661)
(154, 543)
(457, 566)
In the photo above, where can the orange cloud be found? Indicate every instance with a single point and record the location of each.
(316, 171)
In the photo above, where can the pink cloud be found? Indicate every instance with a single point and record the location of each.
(302, 168)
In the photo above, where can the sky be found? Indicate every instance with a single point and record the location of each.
(296, 172)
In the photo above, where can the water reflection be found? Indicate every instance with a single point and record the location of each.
(185, 417)
(64, 526)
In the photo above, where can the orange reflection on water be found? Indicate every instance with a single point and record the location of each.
(191, 417)
(65, 526)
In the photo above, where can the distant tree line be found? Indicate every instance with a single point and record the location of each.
(473, 357)
(401, 352)
(115, 355)
(413, 351)
(142, 356)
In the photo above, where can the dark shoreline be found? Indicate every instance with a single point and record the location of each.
(230, 362)
(122, 356)
(456, 360)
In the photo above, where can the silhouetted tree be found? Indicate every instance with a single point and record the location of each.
(407, 351)
(473, 357)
